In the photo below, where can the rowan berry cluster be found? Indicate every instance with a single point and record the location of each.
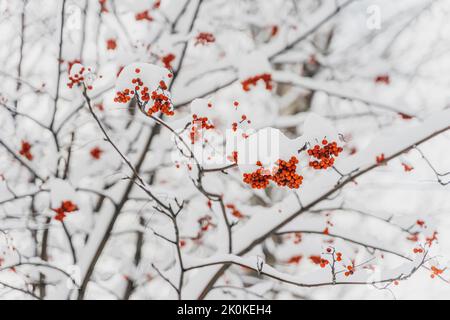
(284, 175)
(418, 250)
(71, 63)
(436, 271)
(203, 122)
(407, 168)
(338, 254)
(319, 260)
(234, 125)
(167, 60)
(204, 38)
(295, 259)
(96, 153)
(383, 78)
(197, 124)
(431, 239)
(26, 150)
(111, 44)
(144, 15)
(103, 8)
(273, 31)
(380, 158)
(233, 157)
(234, 211)
(266, 77)
(161, 101)
(258, 179)
(325, 155)
(76, 78)
(350, 270)
(67, 206)
(405, 116)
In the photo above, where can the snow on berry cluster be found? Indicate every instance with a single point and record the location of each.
(204, 38)
(285, 161)
(223, 131)
(66, 206)
(148, 84)
(252, 81)
(254, 68)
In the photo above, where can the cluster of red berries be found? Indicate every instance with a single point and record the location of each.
(436, 271)
(26, 150)
(350, 271)
(234, 125)
(319, 260)
(418, 250)
(111, 44)
(429, 240)
(273, 31)
(71, 63)
(96, 153)
(383, 78)
(324, 155)
(67, 206)
(233, 157)
(258, 179)
(338, 254)
(234, 211)
(144, 15)
(284, 176)
(407, 168)
(405, 116)
(161, 101)
(77, 78)
(295, 259)
(167, 60)
(204, 38)
(199, 123)
(203, 122)
(266, 77)
(103, 6)
(380, 158)
(123, 96)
